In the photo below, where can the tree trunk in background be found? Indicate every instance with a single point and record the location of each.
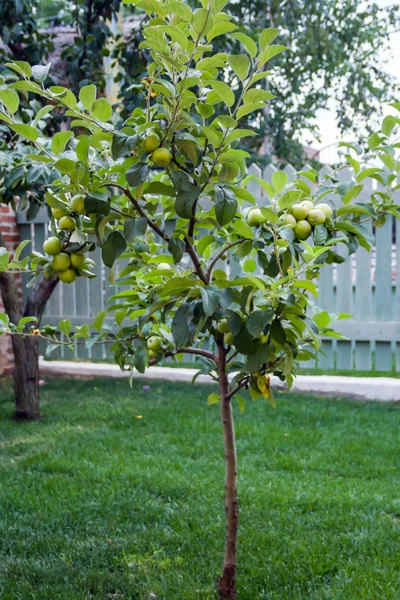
(26, 351)
(227, 583)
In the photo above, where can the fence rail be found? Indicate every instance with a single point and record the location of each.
(368, 287)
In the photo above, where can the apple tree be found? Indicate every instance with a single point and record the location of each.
(206, 271)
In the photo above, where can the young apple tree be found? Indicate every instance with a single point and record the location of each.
(207, 272)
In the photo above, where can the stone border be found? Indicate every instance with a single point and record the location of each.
(380, 389)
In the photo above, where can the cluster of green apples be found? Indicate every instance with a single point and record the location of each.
(302, 218)
(64, 216)
(154, 345)
(68, 265)
(223, 327)
(160, 156)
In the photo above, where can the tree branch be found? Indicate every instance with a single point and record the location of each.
(242, 384)
(220, 255)
(139, 209)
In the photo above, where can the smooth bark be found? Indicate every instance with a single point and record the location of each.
(227, 583)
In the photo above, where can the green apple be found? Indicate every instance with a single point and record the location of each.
(52, 245)
(223, 326)
(302, 230)
(78, 204)
(67, 276)
(287, 220)
(308, 204)
(299, 211)
(154, 343)
(77, 260)
(61, 262)
(316, 217)
(229, 339)
(326, 209)
(67, 224)
(58, 213)
(152, 354)
(255, 217)
(151, 142)
(161, 157)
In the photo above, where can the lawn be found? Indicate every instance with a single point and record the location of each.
(98, 503)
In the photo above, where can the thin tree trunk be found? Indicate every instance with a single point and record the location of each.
(26, 377)
(227, 583)
(26, 350)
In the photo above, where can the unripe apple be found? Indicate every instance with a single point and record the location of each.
(299, 211)
(52, 245)
(151, 142)
(255, 217)
(78, 204)
(302, 230)
(316, 217)
(59, 213)
(223, 326)
(164, 267)
(152, 354)
(287, 220)
(61, 262)
(77, 260)
(229, 339)
(326, 209)
(154, 343)
(161, 157)
(67, 276)
(67, 224)
(308, 204)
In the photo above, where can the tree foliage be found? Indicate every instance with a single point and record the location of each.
(167, 192)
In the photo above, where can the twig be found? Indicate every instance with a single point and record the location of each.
(220, 255)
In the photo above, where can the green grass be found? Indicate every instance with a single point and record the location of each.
(318, 487)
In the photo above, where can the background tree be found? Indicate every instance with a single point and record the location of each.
(168, 192)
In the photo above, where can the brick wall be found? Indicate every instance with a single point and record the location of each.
(9, 230)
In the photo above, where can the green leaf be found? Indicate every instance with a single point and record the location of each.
(257, 95)
(65, 326)
(320, 235)
(40, 72)
(210, 298)
(102, 110)
(99, 320)
(87, 96)
(258, 320)
(177, 248)
(181, 329)
(374, 141)
(247, 42)
(279, 180)
(278, 333)
(213, 399)
(352, 193)
(122, 145)
(241, 402)
(214, 136)
(225, 205)
(21, 67)
(246, 109)
(267, 37)
(220, 29)
(28, 132)
(137, 174)
(289, 198)
(96, 205)
(240, 63)
(269, 53)
(19, 249)
(60, 140)
(10, 99)
(224, 92)
(65, 166)
(239, 134)
(307, 285)
(112, 249)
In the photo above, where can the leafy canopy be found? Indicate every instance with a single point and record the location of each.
(167, 195)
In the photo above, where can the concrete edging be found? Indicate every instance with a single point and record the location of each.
(380, 389)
